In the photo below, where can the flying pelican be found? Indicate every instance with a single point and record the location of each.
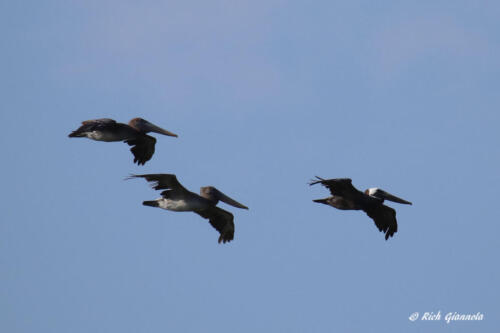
(134, 134)
(179, 199)
(345, 196)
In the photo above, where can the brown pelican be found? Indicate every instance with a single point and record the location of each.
(345, 196)
(134, 134)
(179, 199)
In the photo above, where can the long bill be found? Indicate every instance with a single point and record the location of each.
(229, 201)
(145, 126)
(387, 196)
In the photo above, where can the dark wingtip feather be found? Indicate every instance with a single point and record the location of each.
(315, 181)
(225, 238)
(131, 176)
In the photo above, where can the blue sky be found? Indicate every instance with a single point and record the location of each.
(264, 95)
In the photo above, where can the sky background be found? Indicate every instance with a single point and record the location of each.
(264, 95)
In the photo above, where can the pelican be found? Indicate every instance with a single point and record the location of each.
(177, 198)
(134, 134)
(346, 197)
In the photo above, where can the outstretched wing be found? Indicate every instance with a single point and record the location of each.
(100, 121)
(338, 186)
(384, 218)
(92, 125)
(161, 181)
(221, 220)
(143, 148)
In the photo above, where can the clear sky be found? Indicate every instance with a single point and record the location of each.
(402, 95)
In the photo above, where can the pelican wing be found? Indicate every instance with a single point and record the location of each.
(143, 148)
(93, 125)
(221, 220)
(101, 121)
(338, 186)
(161, 181)
(384, 218)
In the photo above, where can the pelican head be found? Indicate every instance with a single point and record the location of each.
(214, 195)
(145, 126)
(381, 194)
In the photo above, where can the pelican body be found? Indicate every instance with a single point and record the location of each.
(177, 198)
(133, 133)
(346, 197)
